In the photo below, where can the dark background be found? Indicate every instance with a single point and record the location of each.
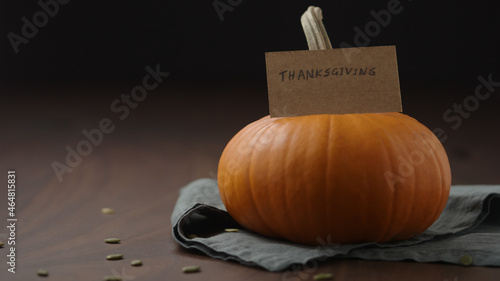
(109, 41)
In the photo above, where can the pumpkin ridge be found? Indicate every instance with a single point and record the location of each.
(381, 144)
(287, 191)
(251, 162)
(363, 219)
(387, 145)
(236, 148)
(321, 227)
(328, 186)
(414, 187)
(443, 180)
(416, 207)
(396, 190)
(296, 228)
(435, 162)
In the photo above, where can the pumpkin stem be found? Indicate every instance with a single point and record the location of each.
(317, 38)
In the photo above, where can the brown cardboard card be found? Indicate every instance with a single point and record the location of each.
(336, 81)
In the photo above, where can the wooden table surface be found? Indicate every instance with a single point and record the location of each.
(174, 136)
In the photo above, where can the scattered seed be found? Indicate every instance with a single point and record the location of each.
(322, 276)
(107, 211)
(231, 230)
(466, 260)
(112, 240)
(192, 236)
(114, 257)
(136, 263)
(112, 278)
(42, 272)
(191, 269)
(1, 244)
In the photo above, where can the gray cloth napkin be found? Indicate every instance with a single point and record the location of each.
(469, 225)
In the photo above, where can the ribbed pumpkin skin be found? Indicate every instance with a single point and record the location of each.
(335, 178)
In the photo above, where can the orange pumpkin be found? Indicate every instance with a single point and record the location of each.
(339, 178)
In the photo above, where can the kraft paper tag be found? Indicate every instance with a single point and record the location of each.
(336, 81)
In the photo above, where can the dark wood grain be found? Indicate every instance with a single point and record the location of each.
(173, 137)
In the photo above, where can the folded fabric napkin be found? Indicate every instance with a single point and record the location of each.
(469, 225)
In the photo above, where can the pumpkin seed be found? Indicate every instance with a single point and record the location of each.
(136, 263)
(1, 244)
(112, 278)
(107, 211)
(42, 272)
(192, 236)
(112, 240)
(322, 276)
(231, 230)
(466, 260)
(114, 257)
(191, 269)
